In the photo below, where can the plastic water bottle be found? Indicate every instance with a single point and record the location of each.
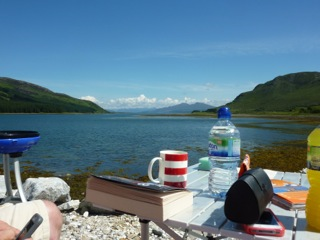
(224, 154)
(313, 164)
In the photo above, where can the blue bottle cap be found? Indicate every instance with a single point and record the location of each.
(224, 112)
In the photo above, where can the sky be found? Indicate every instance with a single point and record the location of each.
(146, 54)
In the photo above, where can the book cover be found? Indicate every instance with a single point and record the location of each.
(146, 186)
(289, 195)
(147, 201)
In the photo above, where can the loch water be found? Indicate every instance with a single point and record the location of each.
(77, 142)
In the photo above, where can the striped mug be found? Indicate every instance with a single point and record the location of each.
(173, 167)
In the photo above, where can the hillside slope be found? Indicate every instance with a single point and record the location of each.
(22, 97)
(296, 92)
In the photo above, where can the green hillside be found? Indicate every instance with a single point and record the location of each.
(22, 97)
(295, 93)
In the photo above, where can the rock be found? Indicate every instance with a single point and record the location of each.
(88, 207)
(86, 214)
(51, 188)
(71, 205)
(3, 189)
(157, 232)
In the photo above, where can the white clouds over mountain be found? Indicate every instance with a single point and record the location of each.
(143, 101)
(131, 102)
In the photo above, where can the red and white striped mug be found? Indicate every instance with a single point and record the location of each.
(173, 168)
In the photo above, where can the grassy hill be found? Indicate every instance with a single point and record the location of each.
(295, 93)
(22, 97)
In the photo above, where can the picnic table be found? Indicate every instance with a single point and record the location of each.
(206, 216)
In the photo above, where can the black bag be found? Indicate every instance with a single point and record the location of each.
(248, 197)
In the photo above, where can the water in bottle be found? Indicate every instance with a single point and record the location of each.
(313, 164)
(224, 154)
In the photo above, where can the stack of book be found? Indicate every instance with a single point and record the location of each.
(289, 195)
(146, 200)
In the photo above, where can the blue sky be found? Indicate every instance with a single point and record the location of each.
(143, 53)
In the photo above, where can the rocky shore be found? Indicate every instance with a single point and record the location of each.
(87, 226)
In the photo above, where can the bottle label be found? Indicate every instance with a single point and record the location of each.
(313, 157)
(228, 147)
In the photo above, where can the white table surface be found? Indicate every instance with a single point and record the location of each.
(207, 215)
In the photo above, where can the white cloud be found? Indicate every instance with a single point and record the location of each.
(168, 102)
(91, 99)
(189, 100)
(133, 102)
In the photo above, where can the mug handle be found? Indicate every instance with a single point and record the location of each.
(150, 169)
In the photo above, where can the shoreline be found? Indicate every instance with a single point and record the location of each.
(239, 115)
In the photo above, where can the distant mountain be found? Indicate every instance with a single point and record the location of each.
(296, 92)
(181, 108)
(132, 110)
(22, 97)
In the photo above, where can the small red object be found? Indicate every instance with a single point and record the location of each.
(245, 165)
